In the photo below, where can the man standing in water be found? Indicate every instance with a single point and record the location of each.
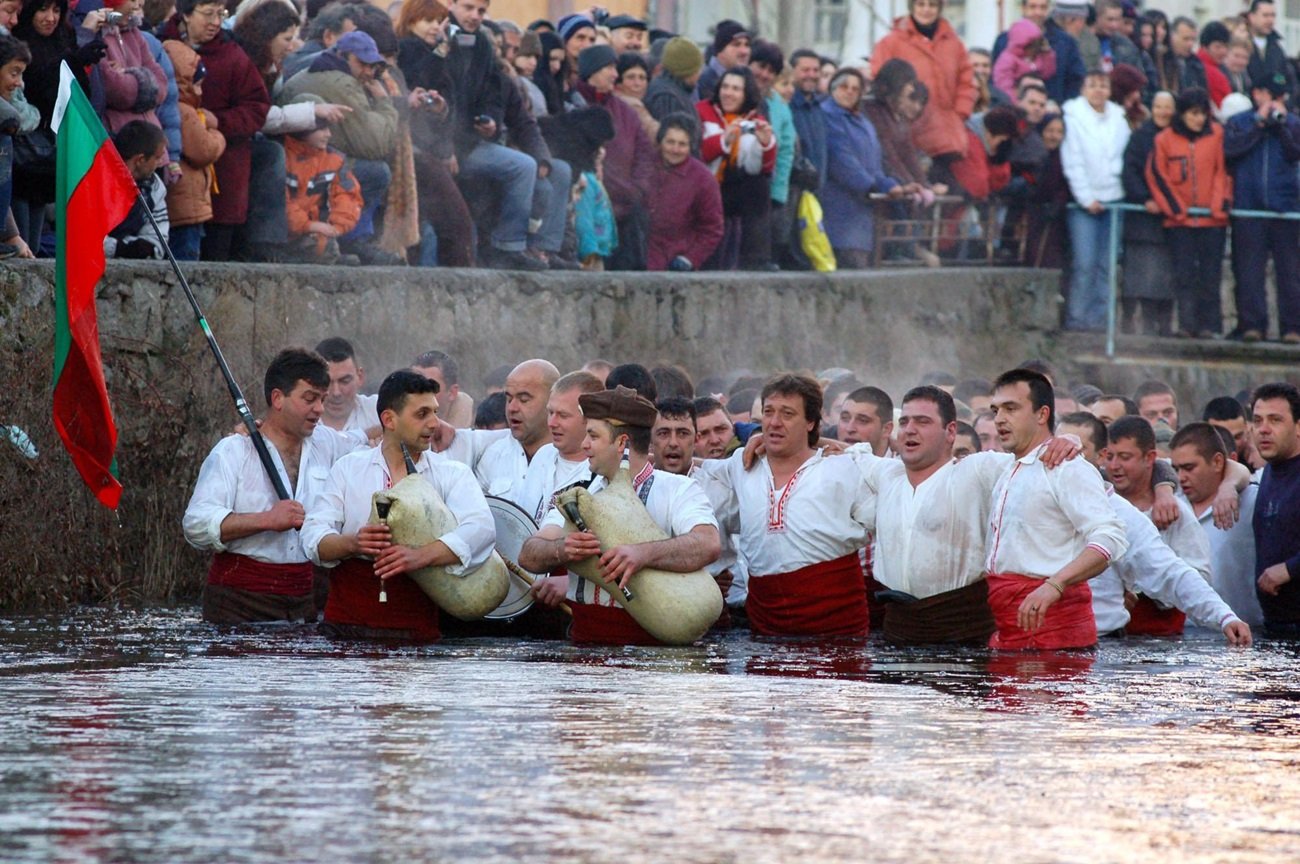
(617, 420)
(363, 559)
(1275, 417)
(347, 409)
(1050, 531)
(258, 570)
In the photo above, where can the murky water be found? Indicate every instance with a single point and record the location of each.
(151, 737)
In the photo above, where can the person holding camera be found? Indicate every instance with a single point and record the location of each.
(1262, 148)
(134, 84)
(739, 146)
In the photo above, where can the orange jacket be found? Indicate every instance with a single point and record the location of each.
(320, 188)
(943, 64)
(1190, 172)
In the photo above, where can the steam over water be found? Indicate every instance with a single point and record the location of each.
(146, 737)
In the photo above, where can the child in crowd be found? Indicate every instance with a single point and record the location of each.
(143, 147)
(189, 200)
(323, 197)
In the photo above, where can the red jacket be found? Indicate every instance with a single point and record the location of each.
(320, 188)
(745, 151)
(976, 174)
(1190, 172)
(942, 64)
(629, 157)
(685, 214)
(1216, 82)
(234, 91)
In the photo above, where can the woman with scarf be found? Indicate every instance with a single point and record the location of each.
(739, 146)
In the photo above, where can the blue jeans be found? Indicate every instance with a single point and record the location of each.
(185, 242)
(1089, 270)
(373, 177)
(551, 200)
(515, 174)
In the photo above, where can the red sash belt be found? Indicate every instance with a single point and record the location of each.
(607, 625)
(232, 570)
(1069, 622)
(826, 599)
(354, 600)
(1148, 619)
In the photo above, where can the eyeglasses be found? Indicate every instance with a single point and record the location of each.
(218, 14)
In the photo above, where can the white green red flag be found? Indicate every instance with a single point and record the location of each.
(94, 192)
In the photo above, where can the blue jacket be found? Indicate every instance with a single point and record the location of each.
(778, 114)
(853, 171)
(810, 124)
(1262, 160)
(1068, 80)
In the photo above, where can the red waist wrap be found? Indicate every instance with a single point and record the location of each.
(354, 599)
(607, 625)
(1148, 619)
(232, 570)
(1069, 622)
(826, 599)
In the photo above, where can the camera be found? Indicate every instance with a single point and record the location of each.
(426, 99)
(112, 19)
(1276, 116)
(748, 125)
(452, 30)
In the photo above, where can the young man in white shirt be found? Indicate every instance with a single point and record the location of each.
(1050, 531)
(362, 558)
(347, 409)
(258, 571)
(619, 420)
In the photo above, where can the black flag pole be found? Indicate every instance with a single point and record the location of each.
(241, 406)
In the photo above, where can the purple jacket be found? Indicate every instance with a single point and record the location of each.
(685, 214)
(629, 158)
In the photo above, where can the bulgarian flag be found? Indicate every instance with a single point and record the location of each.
(94, 193)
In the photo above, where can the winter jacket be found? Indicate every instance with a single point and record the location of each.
(648, 121)
(942, 64)
(234, 91)
(1136, 155)
(666, 95)
(1013, 62)
(1070, 71)
(1216, 80)
(1182, 73)
(370, 130)
(786, 138)
(41, 80)
(981, 173)
(1271, 62)
(189, 200)
(421, 66)
(747, 155)
(685, 214)
(1092, 154)
(134, 236)
(895, 136)
(853, 171)
(320, 187)
(134, 84)
(1262, 158)
(629, 155)
(1187, 171)
(810, 124)
(477, 86)
(1122, 50)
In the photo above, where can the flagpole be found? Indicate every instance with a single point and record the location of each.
(241, 406)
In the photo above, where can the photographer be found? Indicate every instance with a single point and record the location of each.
(1262, 148)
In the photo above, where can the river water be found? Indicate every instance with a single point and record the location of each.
(149, 736)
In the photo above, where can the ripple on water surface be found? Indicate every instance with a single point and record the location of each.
(151, 737)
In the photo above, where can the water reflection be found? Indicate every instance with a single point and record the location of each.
(152, 737)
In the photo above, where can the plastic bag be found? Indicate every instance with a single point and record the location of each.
(812, 234)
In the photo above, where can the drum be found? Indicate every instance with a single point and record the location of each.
(514, 527)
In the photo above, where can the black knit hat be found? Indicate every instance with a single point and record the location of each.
(726, 32)
(595, 58)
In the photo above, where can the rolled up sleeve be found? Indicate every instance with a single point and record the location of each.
(325, 517)
(213, 500)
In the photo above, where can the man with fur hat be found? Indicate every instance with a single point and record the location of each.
(618, 438)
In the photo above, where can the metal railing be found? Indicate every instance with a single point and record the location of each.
(1116, 211)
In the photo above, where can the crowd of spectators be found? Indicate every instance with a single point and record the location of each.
(436, 135)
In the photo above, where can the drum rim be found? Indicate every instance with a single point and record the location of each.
(511, 507)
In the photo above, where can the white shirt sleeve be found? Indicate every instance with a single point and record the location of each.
(213, 499)
(1082, 497)
(714, 477)
(474, 538)
(324, 517)
(691, 508)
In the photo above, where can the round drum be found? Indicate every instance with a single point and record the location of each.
(514, 526)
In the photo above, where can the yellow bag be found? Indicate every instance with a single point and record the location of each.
(812, 236)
